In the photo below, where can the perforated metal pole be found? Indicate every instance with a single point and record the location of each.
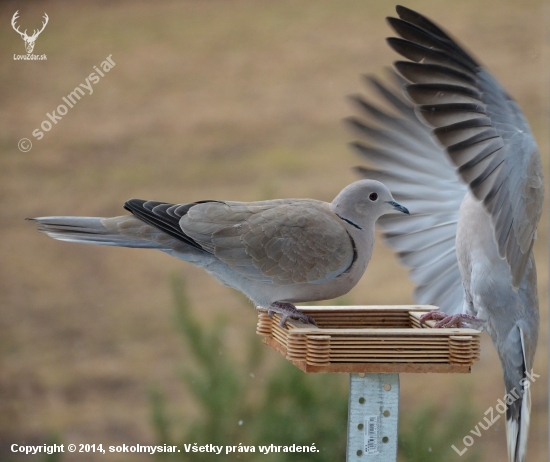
(373, 416)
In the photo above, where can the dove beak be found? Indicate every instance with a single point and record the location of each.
(398, 207)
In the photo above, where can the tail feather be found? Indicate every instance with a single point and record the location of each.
(96, 230)
(517, 429)
(519, 412)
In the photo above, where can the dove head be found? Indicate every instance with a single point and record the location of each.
(364, 201)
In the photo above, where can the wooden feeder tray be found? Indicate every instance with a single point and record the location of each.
(370, 339)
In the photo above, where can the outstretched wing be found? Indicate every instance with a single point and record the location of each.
(406, 158)
(485, 132)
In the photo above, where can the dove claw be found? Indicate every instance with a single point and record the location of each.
(451, 320)
(432, 316)
(288, 310)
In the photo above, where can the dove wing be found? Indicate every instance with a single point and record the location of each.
(404, 156)
(286, 241)
(483, 129)
(283, 242)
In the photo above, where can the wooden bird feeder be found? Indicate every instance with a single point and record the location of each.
(374, 344)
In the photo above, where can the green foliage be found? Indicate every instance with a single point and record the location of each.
(291, 407)
(303, 409)
(429, 433)
(55, 457)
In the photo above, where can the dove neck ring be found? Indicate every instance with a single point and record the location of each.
(349, 221)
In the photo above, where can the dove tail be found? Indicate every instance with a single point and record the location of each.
(518, 413)
(94, 230)
(517, 429)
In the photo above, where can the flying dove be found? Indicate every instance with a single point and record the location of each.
(477, 190)
(276, 252)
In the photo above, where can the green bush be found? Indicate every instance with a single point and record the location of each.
(427, 435)
(292, 407)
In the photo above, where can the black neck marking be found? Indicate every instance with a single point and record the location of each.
(349, 221)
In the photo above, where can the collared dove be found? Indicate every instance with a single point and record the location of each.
(477, 188)
(276, 252)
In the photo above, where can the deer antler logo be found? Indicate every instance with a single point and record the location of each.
(29, 41)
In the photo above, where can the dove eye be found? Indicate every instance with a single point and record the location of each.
(373, 196)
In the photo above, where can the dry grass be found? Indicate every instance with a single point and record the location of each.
(213, 99)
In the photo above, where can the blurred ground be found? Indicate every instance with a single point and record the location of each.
(236, 100)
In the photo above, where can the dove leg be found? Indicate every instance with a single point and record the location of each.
(288, 310)
(453, 320)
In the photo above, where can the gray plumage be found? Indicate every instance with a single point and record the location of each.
(276, 252)
(477, 186)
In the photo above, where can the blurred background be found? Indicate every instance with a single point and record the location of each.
(238, 100)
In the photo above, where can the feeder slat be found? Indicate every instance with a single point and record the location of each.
(371, 339)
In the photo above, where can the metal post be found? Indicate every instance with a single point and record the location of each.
(372, 418)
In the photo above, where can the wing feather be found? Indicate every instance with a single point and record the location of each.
(402, 153)
(286, 241)
(457, 97)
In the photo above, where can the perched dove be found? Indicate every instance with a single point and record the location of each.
(477, 190)
(276, 252)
